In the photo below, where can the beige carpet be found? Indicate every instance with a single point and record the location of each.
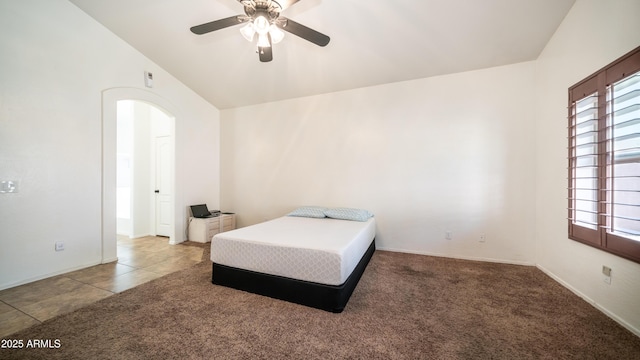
(405, 307)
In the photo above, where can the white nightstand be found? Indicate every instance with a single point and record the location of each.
(202, 230)
(227, 222)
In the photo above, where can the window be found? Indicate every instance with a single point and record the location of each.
(604, 158)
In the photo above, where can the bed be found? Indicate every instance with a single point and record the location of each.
(315, 261)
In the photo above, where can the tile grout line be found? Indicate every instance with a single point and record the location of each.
(20, 311)
(93, 286)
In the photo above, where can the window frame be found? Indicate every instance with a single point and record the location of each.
(598, 83)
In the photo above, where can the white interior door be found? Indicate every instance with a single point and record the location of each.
(164, 215)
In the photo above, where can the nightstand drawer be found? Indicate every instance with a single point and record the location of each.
(227, 222)
(202, 230)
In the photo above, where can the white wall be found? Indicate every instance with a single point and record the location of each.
(134, 147)
(55, 62)
(450, 153)
(593, 34)
(124, 167)
(142, 190)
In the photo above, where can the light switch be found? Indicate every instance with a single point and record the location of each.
(8, 186)
(148, 79)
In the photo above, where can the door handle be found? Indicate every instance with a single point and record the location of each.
(157, 191)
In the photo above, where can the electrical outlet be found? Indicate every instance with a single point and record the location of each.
(483, 237)
(448, 235)
(606, 271)
(59, 245)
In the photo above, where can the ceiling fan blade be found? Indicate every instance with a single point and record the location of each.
(305, 32)
(286, 3)
(265, 53)
(216, 25)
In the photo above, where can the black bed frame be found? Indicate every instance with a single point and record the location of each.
(331, 298)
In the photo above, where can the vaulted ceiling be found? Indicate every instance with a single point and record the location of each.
(372, 42)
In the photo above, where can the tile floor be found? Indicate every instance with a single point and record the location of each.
(139, 260)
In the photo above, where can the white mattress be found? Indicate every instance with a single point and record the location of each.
(323, 251)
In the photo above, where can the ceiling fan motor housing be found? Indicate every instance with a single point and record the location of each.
(268, 8)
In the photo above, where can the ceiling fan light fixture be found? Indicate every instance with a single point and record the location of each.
(263, 41)
(261, 25)
(263, 17)
(276, 34)
(247, 31)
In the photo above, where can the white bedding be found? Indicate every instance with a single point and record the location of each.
(323, 251)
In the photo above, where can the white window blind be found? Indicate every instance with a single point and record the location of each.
(584, 162)
(623, 167)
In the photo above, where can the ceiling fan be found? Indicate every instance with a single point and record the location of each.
(262, 17)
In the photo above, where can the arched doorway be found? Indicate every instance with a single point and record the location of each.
(110, 100)
(144, 169)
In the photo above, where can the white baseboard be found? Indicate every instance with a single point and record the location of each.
(584, 297)
(109, 260)
(471, 258)
(46, 276)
